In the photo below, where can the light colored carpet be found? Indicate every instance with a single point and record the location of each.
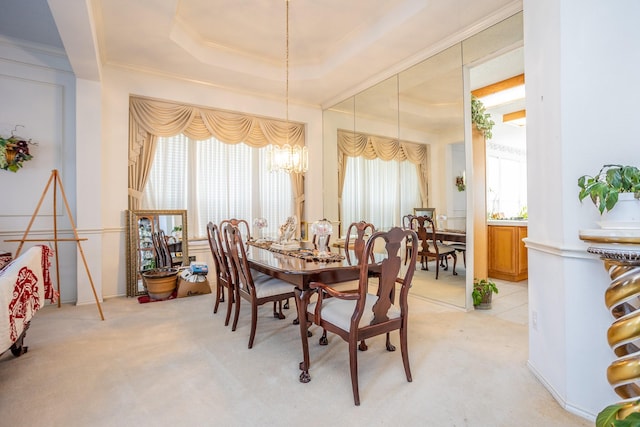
(173, 363)
(448, 289)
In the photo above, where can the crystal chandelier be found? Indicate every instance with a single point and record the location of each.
(290, 159)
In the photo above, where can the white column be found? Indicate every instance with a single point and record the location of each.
(581, 66)
(89, 187)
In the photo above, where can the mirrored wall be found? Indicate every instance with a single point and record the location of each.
(424, 104)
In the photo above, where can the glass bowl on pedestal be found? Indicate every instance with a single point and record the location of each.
(322, 230)
(260, 224)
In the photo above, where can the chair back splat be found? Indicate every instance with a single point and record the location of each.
(369, 312)
(357, 231)
(240, 223)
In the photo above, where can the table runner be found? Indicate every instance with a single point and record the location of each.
(306, 254)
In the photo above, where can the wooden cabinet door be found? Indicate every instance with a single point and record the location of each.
(507, 253)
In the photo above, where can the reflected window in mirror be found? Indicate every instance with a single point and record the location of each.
(378, 191)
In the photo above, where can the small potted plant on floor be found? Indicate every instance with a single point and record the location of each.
(483, 290)
(614, 186)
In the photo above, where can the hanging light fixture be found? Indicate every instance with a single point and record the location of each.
(287, 158)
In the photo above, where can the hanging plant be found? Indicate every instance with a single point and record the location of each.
(480, 118)
(13, 152)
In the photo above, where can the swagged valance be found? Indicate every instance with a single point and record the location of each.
(166, 119)
(357, 144)
(150, 119)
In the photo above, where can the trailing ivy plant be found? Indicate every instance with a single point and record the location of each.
(481, 118)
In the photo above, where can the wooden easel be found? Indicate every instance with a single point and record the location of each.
(55, 179)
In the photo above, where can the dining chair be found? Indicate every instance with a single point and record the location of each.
(460, 247)
(163, 254)
(406, 223)
(240, 223)
(223, 272)
(356, 233)
(257, 289)
(365, 313)
(427, 246)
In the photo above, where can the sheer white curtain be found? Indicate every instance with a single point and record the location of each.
(215, 181)
(379, 191)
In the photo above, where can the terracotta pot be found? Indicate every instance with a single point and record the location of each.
(160, 282)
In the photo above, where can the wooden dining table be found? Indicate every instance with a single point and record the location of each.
(300, 273)
(451, 236)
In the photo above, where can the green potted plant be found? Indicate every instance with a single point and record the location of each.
(606, 187)
(483, 290)
(619, 415)
(480, 118)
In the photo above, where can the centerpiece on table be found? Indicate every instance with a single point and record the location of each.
(322, 230)
(286, 235)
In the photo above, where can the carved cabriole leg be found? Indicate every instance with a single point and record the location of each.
(278, 314)
(323, 339)
(302, 303)
(455, 261)
(390, 347)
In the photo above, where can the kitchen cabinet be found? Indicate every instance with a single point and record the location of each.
(507, 252)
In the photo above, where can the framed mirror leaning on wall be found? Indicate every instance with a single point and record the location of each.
(141, 254)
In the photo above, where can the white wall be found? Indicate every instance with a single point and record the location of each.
(38, 92)
(579, 56)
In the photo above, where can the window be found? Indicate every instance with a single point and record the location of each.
(215, 181)
(379, 191)
(506, 183)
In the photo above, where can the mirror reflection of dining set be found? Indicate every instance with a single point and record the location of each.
(433, 243)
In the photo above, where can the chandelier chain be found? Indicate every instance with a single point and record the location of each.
(287, 66)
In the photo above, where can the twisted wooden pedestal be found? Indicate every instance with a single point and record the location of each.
(620, 252)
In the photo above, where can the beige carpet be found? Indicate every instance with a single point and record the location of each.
(174, 363)
(448, 289)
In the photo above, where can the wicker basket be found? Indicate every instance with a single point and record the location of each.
(160, 282)
(10, 153)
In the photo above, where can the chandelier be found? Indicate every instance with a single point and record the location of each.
(290, 159)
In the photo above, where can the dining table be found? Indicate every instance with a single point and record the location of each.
(301, 268)
(445, 235)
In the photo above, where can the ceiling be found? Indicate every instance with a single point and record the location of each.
(336, 47)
